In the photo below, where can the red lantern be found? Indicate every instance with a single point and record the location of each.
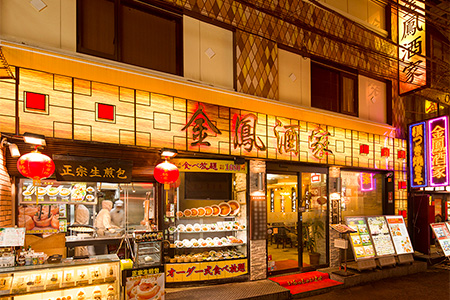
(36, 166)
(166, 172)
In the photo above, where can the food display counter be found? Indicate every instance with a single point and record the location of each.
(95, 278)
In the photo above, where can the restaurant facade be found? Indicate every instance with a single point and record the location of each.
(259, 170)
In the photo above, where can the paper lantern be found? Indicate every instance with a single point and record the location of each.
(166, 173)
(36, 166)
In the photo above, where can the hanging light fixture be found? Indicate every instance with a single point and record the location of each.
(36, 166)
(166, 172)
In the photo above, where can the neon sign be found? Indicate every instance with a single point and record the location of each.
(438, 151)
(412, 50)
(417, 155)
(367, 183)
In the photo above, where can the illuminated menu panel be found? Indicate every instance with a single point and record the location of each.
(443, 236)
(417, 152)
(361, 242)
(380, 236)
(438, 151)
(399, 234)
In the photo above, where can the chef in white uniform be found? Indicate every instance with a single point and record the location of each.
(117, 214)
(103, 219)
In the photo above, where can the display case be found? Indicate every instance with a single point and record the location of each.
(148, 248)
(95, 278)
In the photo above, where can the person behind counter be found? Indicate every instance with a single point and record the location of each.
(103, 223)
(117, 214)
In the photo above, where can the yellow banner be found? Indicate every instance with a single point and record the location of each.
(205, 165)
(184, 272)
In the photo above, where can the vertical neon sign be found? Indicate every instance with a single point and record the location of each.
(417, 155)
(367, 183)
(438, 151)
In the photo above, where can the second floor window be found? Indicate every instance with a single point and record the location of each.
(334, 90)
(131, 32)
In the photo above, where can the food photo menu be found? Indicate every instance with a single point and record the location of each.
(380, 235)
(361, 242)
(443, 236)
(399, 234)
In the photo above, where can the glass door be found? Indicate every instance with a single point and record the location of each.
(282, 219)
(314, 208)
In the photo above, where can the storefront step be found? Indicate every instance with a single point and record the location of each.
(261, 290)
(376, 274)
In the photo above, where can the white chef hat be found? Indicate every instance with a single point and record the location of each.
(118, 203)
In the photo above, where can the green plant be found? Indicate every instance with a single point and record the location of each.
(312, 231)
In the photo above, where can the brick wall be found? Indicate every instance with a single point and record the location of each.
(5, 193)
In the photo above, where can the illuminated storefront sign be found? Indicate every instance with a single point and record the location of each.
(200, 132)
(205, 270)
(438, 151)
(205, 165)
(318, 143)
(92, 169)
(417, 152)
(367, 183)
(288, 137)
(412, 45)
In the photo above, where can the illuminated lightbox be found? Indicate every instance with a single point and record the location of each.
(367, 183)
(417, 155)
(438, 151)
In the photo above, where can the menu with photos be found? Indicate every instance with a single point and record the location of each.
(380, 235)
(443, 236)
(361, 242)
(399, 234)
(12, 237)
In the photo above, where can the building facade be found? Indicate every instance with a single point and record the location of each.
(307, 89)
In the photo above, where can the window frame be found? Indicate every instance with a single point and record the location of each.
(144, 6)
(341, 75)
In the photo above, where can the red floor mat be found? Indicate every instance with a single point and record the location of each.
(305, 282)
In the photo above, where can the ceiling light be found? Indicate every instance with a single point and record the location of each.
(35, 139)
(166, 152)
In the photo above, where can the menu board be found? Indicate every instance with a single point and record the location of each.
(443, 236)
(380, 236)
(145, 283)
(51, 192)
(43, 218)
(12, 237)
(399, 234)
(361, 242)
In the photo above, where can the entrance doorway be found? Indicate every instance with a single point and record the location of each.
(297, 206)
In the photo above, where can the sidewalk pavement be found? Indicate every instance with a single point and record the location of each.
(432, 284)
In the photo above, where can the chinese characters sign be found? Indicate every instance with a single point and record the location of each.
(367, 183)
(205, 165)
(417, 152)
(438, 151)
(205, 270)
(148, 283)
(412, 45)
(71, 168)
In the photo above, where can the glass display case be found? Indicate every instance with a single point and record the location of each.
(207, 229)
(96, 278)
(148, 248)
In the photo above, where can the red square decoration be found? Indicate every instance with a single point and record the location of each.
(363, 149)
(402, 185)
(35, 101)
(401, 154)
(385, 152)
(105, 112)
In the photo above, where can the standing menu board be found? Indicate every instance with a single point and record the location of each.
(380, 236)
(361, 242)
(443, 236)
(399, 234)
(12, 237)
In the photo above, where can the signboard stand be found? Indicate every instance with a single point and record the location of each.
(366, 264)
(342, 243)
(386, 261)
(405, 259)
